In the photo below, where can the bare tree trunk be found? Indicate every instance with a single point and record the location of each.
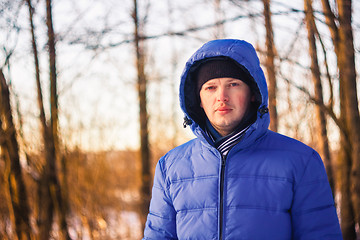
(52, 142)
(347, 221)
(50, 198)
(53, 77)
(37, 68)
(48, 190)
(17, 189)
(55, 188)
(6, 183)
(343, 44)
(145, 190)
(45, 203)
(316, 77)
(270, 66)
(45, 207)
(351, 102)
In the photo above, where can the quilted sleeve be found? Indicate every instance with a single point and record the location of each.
(161, 220)
(313, 212)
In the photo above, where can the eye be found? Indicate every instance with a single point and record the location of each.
(234, 84)
(210, 88)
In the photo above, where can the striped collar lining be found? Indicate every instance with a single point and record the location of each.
(225, 144)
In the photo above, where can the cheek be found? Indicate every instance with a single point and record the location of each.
(244, 100)
(205, 101)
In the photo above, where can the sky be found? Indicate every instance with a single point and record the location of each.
(97, 90)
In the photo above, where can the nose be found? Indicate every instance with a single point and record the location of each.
(222, 95)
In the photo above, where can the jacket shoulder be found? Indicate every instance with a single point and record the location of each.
(277, 141)
(181, 153)
(298, 158)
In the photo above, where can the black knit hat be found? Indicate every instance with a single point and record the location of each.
(220, 68)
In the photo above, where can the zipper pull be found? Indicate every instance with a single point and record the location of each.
(223, 160)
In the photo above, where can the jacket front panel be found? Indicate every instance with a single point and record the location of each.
(193, 190)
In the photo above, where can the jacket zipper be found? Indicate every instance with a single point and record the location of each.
(222, 179)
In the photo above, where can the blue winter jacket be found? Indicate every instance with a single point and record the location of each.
(272, 186)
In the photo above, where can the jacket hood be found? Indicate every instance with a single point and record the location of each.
(242, 53)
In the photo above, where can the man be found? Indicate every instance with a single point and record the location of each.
(237, 179)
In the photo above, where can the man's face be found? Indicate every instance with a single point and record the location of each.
(225, 102)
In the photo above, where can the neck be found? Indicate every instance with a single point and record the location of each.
(246, 121)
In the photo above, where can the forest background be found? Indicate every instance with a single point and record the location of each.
(89, 101)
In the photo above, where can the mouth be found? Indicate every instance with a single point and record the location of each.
(223, 110)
